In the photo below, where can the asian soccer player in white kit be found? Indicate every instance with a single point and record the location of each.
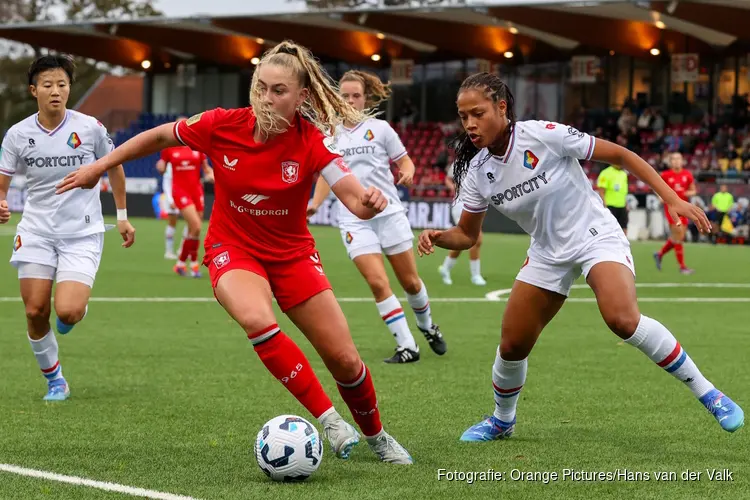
(59, 237)
(450, 260)
(529, 172)
(369, 148)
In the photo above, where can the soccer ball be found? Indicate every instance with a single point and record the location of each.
(288, 448)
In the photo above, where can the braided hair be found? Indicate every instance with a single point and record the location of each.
(496, 90)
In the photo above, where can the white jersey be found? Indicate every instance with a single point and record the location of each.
(540, 185)
(369, 148)
(47, 157)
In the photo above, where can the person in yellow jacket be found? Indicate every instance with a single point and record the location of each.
(612, 185)
(721, 204)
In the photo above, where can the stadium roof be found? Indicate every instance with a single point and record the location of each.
(533, 30)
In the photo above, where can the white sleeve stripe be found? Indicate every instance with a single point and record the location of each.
(177, 134)
(475, 210)
(400, 155)
(591, 148)
(7, 172)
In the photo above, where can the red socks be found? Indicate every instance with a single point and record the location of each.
(286, 361)
(359, 396)
(666, 248)
(189, 250)
(680, 253)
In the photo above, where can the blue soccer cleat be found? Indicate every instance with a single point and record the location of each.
(64, 328)
(729, 415)
(657, 259)
(489, 429)
(57, 391)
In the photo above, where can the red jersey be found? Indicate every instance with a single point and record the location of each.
(261, 190)
(679, 181)
(186, 165)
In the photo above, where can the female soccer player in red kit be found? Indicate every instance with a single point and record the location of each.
(258, 245)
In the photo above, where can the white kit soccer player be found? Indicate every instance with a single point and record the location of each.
(369, 149)
(541, 162)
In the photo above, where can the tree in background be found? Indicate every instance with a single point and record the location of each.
(15, 101)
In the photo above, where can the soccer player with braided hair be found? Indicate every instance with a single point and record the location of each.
(258, 245)
(369, 147)
(529, 171)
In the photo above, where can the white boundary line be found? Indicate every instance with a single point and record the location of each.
(501, 295)
(494, 296)
(80, 481)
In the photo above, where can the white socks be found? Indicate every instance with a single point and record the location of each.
(508, 378)
(393, 314)
(420, 303)
(45, 351)
(655, 341)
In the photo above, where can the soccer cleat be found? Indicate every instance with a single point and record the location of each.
(728, 413)
(687, 271)
(195, 271)
(435, 339)
(342, 437)
(403, 355)
(490, 429)
(180, 269)
(657, 259)
(64, 328)
(57, 391)
(388, 449)
(446, 275)
(170, 256)
(478, 280)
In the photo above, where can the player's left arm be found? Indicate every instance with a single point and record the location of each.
(608, 152)
(104, 146)
(396, 152)
(117, 182)
(692, 190)
(4, 209)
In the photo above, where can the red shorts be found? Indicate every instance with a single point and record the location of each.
(671, 221)
(292, 282)
(185, 196)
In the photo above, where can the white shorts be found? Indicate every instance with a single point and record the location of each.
(390, 234)
(63, 259)
(457, 209)
(560, 277)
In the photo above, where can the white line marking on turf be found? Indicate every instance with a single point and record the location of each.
(80, 481)
(497, 295)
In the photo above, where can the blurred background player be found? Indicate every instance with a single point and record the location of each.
(59, 238)
(450, 259)
(369, 148)
(612, 185)
(185, 166)
(171, 210)
(543, 159)
(258, 245)
(681, 181)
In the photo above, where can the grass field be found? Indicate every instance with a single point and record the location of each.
(169, 396)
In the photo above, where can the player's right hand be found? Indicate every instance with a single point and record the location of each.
(426, 239)
(85, 178)
(4, 212)
(311, 210)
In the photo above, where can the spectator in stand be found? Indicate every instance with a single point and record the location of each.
(408, 113)
(656, 143)
(657, 123)
(674, 142)
(634, 139)
(644, 121)
(441, 158)
(626, 121)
